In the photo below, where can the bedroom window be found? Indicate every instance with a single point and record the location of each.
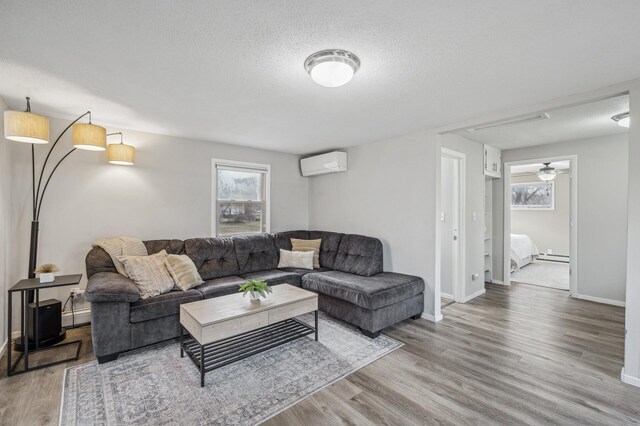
(240, 198)
(533, 196)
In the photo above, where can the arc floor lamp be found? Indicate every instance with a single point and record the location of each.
(27, 127)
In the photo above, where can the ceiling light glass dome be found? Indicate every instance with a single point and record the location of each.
(332, 68)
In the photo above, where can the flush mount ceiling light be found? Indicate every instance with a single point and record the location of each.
(547, 173)
(622, 119)
(332, 67)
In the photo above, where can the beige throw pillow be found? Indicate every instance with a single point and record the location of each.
(183, 271)
(308, 245)
(149, 273)
(296, 259)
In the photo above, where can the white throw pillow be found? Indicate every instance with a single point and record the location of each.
(149, 273)
(183, 271)
(296, 259)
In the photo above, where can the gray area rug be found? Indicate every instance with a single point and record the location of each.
(153, 386)
(547, 274)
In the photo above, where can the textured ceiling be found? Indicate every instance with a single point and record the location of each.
(577, 122)
(232, 71)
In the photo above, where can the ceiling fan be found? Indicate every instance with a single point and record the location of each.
(547, 173)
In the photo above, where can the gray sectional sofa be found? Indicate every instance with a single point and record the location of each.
(350, 282)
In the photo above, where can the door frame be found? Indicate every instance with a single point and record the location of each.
(459, 260)
(573, 217)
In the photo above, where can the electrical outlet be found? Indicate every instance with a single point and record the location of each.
(549, 251)
(77, 292)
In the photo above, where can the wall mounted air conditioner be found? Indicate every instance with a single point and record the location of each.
(331, 162)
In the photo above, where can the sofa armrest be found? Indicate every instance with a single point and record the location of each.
(111, 287)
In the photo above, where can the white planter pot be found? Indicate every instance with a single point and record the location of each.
(47, 277)
(255, 296)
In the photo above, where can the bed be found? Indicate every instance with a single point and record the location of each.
(523, 251)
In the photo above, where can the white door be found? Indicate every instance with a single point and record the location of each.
(449, 218)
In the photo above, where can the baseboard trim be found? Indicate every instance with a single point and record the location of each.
(630, 380)
(447, 295)
(82, 316)
(600, 300)
(431, 317)
(497, 282)
(474, 295)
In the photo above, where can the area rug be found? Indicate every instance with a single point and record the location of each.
(153, 385)
(546, 274)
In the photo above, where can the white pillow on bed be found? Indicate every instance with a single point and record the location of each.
(296, 259)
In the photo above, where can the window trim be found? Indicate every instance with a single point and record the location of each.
(266, 168)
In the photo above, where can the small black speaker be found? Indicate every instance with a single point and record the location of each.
(49, 319)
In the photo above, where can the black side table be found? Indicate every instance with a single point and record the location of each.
(23, 287)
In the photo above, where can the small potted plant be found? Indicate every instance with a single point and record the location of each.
(47, 272)
(256, 289)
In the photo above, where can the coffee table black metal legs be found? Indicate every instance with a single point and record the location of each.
(223, 352)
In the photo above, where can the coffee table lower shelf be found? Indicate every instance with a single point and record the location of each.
(223, 352)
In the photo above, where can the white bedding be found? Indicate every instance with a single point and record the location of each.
(523, 251)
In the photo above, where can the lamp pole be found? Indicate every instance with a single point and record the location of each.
(39, 196)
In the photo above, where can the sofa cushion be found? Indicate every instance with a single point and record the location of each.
(359, 255)
(328, 246)
(162, 305)
(274, 277)
(303, 272)
(214, 257)
(220, 286)
(255, 252)
(170, 246)
(372, 292)
(282, 240)
(111, 287)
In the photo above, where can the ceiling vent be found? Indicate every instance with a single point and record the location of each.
(528, 119)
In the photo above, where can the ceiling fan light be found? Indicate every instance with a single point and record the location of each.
(27, 127)
(332, 68)
(89, 137)
(547, 176)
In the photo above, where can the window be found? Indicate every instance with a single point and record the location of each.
(240, 198)
(533, 196)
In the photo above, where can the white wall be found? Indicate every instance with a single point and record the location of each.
(474, 210)
(5, 225)
(602, 212)
(549, 229)
(167, 194)
(447, 207)
(390, 193)
(631, 372)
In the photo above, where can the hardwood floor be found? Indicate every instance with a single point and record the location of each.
(516, 355)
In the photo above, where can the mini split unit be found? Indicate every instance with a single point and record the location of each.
(331, 162)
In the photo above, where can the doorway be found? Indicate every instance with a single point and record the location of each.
(540, 237)
(452, 226)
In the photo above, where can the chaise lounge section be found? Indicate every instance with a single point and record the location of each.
(350, 283)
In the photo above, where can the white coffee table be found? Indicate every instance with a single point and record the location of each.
(226, 329)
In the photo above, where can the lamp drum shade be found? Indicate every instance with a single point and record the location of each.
(121, 154)
(89, 137)
(26, 127)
